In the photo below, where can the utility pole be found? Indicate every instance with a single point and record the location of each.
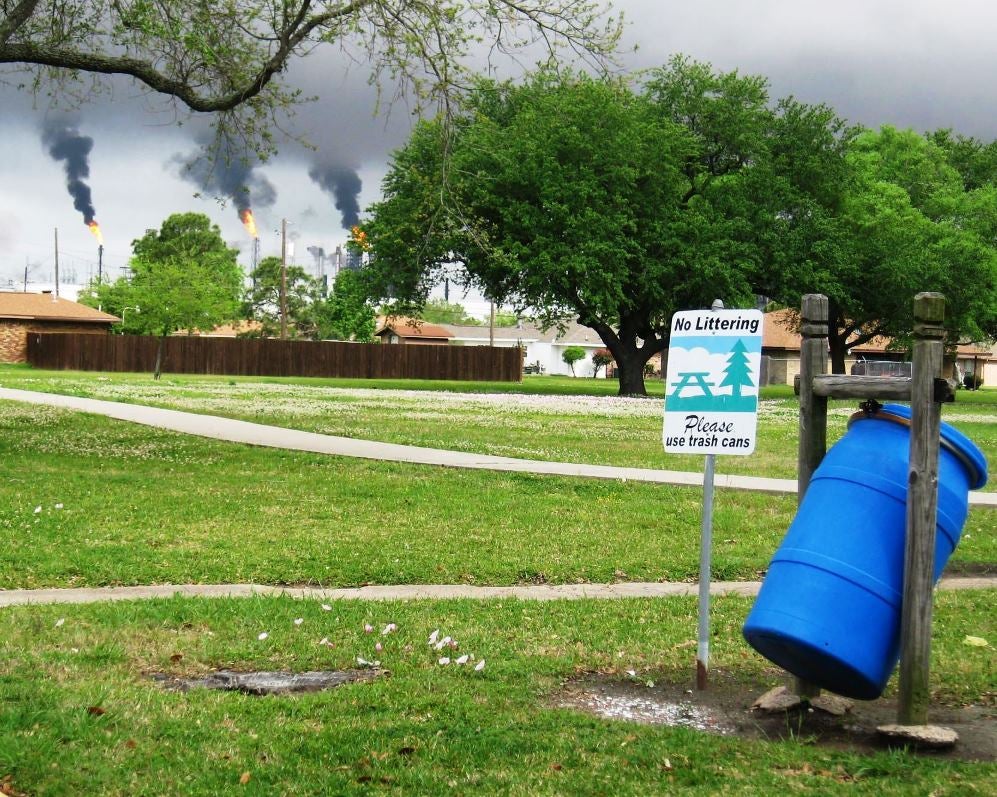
(283, 279)
(56, 294)
(491, 323)
(100, 263)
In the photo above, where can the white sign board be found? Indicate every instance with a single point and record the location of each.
(711, 386)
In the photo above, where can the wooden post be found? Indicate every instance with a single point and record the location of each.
(922, 508)
(813, 411)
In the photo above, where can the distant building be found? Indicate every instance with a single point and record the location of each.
(781, 343)
(23, 313)
(406, 331)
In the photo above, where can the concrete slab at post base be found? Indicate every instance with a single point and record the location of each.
(934, 737)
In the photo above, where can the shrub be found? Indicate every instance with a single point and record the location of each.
(973, 381)
(571, 355)
(600, 359)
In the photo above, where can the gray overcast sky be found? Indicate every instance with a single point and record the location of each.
(918, 63)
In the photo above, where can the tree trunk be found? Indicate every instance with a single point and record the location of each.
(159, 357)
(838, 352)
(631, 374)
(630, 357)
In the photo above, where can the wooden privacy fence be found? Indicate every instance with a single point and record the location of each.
(267, 357)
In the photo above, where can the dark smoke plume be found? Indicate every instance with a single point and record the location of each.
(226, 174)
(64, 143)
(344, 185)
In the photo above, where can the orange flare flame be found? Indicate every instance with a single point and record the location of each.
(249, 222)
(95, 229)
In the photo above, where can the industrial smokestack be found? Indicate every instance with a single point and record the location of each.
(319, 254)
(64, 143)
(343, 184)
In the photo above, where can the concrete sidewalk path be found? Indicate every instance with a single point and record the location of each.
(277, 437)
(540, 592)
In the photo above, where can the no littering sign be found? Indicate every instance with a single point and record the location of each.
(711, 385)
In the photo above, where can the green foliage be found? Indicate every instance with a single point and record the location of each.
(438, 311)
(897, 219)
(600, 359)
(183, 277)
(613, 207)
(347, 313)
(571, 355)
(263, 300)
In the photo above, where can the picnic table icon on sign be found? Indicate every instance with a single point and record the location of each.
(693, 392)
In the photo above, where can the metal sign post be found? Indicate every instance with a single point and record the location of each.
(711, 407)
(705, 551)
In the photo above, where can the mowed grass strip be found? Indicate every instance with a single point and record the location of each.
(83, 716)
(597, 429)
(87, 501)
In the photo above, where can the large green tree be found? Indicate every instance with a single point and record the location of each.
(347, 313)
(229, 57)
(895, 219)
(263, 303)
(582, 199)
(183, 277)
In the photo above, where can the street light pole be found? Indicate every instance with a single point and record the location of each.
(124, 310)
(283, 279)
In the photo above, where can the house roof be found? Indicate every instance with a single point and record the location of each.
(780, 332)
(407, 328)
(229, 330)
(528, 332)
(48, 307)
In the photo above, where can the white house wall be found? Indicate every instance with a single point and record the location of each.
(550, 357)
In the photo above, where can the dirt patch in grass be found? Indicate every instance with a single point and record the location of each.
(725, 709)
(971, 569)
(270, 683)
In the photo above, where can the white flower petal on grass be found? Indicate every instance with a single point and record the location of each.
(445, 660)
(378, 647)
(38, 509)
(443, 643)
(299, 620)
(975, 641)
(326, 607)
(368, 628)
(388, 629)
(632, 673)
(59, 622)
(58, 506)
(463, 659)
(263, 636)
(479, 666)
(362, 662)
(434, 636)
(324, 640)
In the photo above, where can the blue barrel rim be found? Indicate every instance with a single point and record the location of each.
(954, 441)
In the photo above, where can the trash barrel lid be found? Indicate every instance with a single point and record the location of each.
(955, 441)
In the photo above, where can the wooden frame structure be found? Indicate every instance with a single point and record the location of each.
(925, 391)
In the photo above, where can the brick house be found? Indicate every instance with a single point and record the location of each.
(21, 313)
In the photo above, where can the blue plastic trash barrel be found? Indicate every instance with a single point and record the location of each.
(829, 608)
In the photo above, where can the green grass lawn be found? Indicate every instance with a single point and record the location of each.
(81, 714)
(598, 429)
(90, 501)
